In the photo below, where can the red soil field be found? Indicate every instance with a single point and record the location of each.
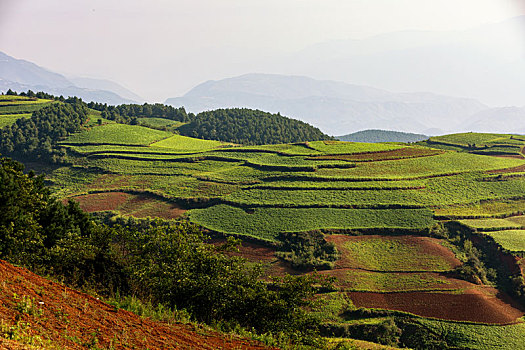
(482, 304)
(465, 301)
(69, 319)
(138, 205)
(408, 152)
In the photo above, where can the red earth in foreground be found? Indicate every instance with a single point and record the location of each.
(64, 318)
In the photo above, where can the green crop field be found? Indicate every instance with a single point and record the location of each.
(491, 224)
(185, 143)
(382, 253)
(478, 336)
(341, 147)
(22, 106)
(511, 240)
(485, 209)
(465, 139)
(266, 223)
(118, 134)
(159, 122)
(8, 119)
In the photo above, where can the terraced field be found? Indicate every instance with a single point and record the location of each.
(13, 108)
(376, 202)
(505, 145)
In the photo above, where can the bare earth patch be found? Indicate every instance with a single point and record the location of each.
(483, 305)
(67, 319)
(137, 205)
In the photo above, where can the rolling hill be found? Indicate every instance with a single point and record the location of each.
(396, 224)
(334, 107)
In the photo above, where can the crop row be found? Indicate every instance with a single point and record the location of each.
(266, 223)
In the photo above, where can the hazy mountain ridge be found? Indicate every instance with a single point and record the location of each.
(335, 107)
(21, 75)
(482, 62)
(382, 136)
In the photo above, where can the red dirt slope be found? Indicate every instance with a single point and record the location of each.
(53, 316)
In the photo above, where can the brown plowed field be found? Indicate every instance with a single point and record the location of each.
(484, 305)
(138, 205)
(67, 319)
(517, 169)
(403, 153)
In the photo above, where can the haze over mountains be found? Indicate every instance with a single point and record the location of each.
(475, 79)
(482, 63)
(21, 75)
(339, 108)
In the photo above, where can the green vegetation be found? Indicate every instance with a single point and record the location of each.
(37, 137)
(130, 114)
(340, 147)
(119, 134)
(511, 240)
(267, 223)
(391, 254)
(287, 195)
(307, 250)
(246, 126)
(167, 263)
(491, 224)
(500, 208)
(476, 336)
(189, 144)
(10, 119)
(497, 144)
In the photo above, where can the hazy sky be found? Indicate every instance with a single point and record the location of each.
(162, 48)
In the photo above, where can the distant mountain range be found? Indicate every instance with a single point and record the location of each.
(334, 107)
(382, 136)
(486, 63)
(21, 75)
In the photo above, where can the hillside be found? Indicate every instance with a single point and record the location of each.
(38, 312)
(334, 107)
(421, 238)
(382, 136)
